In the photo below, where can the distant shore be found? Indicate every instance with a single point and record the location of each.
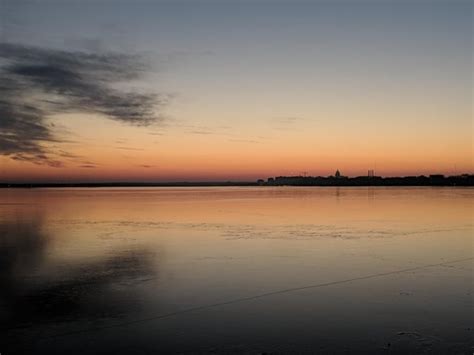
(339, 180)
(431, 180)
(127, 184)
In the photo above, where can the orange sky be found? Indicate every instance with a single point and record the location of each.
(123, 153)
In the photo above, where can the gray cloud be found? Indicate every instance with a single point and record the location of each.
(155, 133)
(38, 82)
(201, 132)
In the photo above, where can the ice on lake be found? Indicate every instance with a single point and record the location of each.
(236, 270)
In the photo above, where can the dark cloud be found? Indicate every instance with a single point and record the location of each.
(37, 82)
(38, 158)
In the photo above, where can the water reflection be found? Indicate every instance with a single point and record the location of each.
(39, 290)
(282, 270)
(22, 250)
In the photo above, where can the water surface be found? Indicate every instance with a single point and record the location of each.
(236, 270)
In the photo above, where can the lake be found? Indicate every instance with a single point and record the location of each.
(237, 270)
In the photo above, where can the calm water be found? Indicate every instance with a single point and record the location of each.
(237, 270)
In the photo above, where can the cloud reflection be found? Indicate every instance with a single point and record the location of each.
(36, 290)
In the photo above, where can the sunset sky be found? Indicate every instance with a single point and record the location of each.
(234, 90)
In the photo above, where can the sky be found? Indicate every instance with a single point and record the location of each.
(234, 90)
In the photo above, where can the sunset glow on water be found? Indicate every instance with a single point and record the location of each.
(233, 270)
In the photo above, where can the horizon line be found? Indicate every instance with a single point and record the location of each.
(226, 182)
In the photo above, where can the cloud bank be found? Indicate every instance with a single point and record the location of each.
(38, 82)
